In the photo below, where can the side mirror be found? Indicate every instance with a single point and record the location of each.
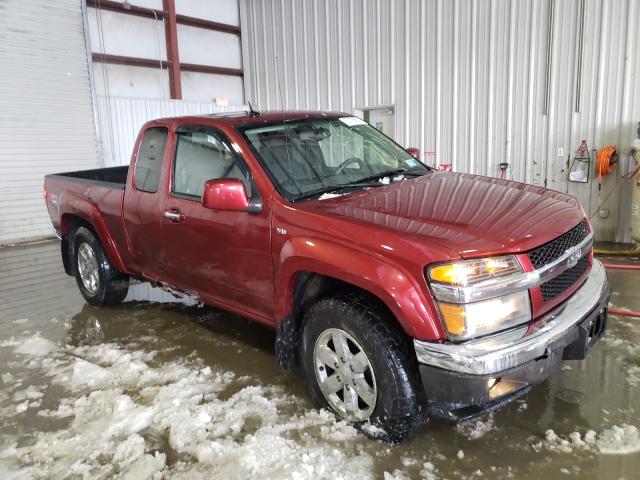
(414, 152)
(225, 194)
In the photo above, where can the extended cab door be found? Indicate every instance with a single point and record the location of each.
(142, 209)
(223, 255)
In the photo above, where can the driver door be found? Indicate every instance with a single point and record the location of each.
(223, 255)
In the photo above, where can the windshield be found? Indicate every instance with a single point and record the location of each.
(313, 156)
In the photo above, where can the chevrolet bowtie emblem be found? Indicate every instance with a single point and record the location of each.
(574, 255)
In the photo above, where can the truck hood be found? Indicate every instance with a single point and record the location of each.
(468, 214)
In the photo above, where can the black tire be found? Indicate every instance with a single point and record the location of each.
(111, 286)
(400, 409)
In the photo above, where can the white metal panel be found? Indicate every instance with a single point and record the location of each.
(128, 81)
(200, 87)
(468, 79)
(46, 113)
(120, 120)
(196, 47)
(223, 11)
(127, 35)
(154, 4)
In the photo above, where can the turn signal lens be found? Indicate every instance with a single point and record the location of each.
(453, 315)
(468, 272)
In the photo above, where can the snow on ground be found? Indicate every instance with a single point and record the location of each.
(619, 440)
(475, 429)
(127, 415)
(616, 440)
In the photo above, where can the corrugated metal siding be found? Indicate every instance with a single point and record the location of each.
(120, 119)
(46, 113)
(468, 79)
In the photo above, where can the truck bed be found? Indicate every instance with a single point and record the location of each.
(114, 177)
(94, 195)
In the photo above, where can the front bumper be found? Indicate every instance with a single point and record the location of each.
(465, 379)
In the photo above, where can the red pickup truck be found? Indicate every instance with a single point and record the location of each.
(402, 292)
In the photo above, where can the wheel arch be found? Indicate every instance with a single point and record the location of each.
(312, 269)
(78, 213)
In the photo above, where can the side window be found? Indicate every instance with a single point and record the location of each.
(202, 156)
(149, 161)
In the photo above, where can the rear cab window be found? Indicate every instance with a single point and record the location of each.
(149, 160)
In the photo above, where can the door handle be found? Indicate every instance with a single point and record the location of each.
(173, 215)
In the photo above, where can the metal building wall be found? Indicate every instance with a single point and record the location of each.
(474, 82)
(46, 112)
(120, 119)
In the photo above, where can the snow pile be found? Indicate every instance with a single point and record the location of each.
(396, 475)
(132, 417)
(475, 429)
(555, 443)
(628, 348)
(31, 397)
(428, 471)
(35, 346)
(617, 440)
(633, 375)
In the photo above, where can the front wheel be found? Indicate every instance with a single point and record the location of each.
(360, 367)
(99, 282)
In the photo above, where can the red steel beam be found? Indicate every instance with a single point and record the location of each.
(207, 24)
(151, 63)
(171, 35)
(131, 61)
(149, 13)
(191, 67)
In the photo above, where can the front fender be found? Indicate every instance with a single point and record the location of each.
(373, 273)
(72, 205)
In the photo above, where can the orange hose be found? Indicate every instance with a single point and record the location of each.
(621, 266)
(626, 313)
(605, 161)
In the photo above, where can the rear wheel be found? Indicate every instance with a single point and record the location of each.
(99, 282)
(361, 368)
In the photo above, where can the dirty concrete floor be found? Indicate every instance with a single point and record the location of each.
(169, 390)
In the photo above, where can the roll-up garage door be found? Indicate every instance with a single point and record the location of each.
(46, 109)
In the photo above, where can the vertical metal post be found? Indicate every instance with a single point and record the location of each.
(547, 84)
(580, 49)
(171, 35)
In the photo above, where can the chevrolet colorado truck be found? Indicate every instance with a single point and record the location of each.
(402, 292)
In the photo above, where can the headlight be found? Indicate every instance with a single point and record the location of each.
(480, 296)
(468, 272)
(466, 320)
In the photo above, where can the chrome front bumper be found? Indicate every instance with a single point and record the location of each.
(511, 349)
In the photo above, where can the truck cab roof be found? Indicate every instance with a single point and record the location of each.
(241, 118)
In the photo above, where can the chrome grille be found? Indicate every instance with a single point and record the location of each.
(554, 249)
(559, 284)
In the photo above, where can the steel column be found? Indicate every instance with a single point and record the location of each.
(171, 35)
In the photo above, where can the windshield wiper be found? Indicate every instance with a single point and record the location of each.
(336, 188)
(389, 173)
(370, 181)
